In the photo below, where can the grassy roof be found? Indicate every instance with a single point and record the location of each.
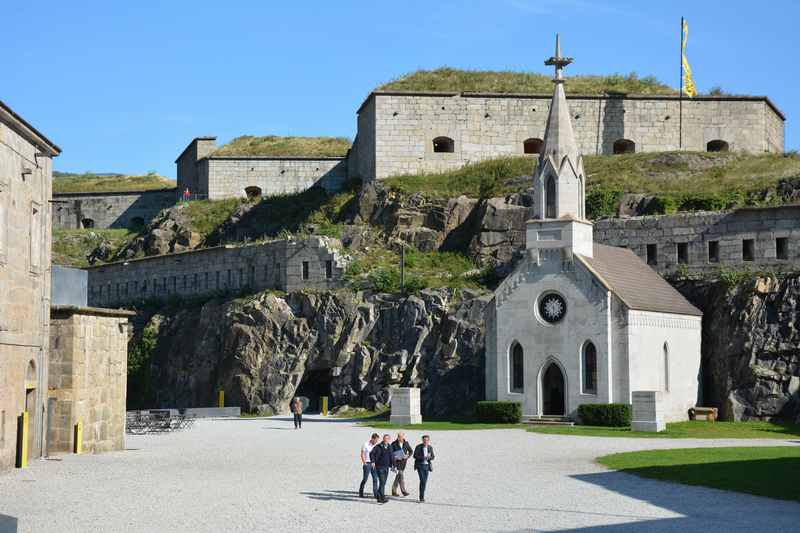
(457, 80)
(275, 145)
(65, 182)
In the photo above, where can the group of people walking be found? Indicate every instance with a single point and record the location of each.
(380, 456)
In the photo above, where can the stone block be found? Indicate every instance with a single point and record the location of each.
(405, 406)
(648, 411)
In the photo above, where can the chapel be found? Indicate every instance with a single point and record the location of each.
(578, 322)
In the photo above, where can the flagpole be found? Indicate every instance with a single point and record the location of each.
(680, 93)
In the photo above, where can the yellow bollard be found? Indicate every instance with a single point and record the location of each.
(22, 440)
(77, 435)
(221, 399)
(324, 406)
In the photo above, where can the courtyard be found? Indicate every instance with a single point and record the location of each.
(259, 474)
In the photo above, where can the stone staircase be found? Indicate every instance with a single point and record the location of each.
(548, 420)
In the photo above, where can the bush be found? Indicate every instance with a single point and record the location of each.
(602, 202)
(498, 412)
(605, 414)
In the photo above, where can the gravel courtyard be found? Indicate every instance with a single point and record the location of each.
(262, 475)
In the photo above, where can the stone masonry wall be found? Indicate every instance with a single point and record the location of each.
(25, 188)
(285, 265)
(109, 210)
(227, 177)
(486, 126)
(88, 378)
(774, 233)
(361, 159)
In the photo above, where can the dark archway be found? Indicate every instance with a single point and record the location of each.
(253, 192)
(532, 146)
(314, 385)
(624, 146)
(717, 145)
(553, 388)
(87, 223)
(444, 145)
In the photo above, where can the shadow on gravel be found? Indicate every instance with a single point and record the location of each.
(8, 524)
(337, 495)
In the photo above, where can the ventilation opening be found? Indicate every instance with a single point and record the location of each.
(748, 250)
(652, 254)
(252, 192)
(87, 223)
(683, 253)
(444, 145)
(717, 145)
(532, 146)
(314, 385)
(713, 251)
(782, 248)
(624, 146)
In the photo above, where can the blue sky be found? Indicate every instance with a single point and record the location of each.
(124, 86)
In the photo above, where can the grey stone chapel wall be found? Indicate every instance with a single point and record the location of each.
(287, 265)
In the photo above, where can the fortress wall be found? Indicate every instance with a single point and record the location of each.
(227, 177)
(109, 210)
(486, 126)
(188, 177)
(361, 160)
(728, 229)
(274, 265)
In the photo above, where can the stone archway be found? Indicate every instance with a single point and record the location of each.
(553, 387)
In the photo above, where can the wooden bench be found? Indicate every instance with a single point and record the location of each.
(703, 413)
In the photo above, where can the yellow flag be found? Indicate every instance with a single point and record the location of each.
(689, 88)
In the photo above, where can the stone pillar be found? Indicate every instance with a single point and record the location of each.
(405, 406)
(648, 411)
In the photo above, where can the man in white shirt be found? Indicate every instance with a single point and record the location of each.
(367, 467)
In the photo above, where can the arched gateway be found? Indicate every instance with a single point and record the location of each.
(553, 390)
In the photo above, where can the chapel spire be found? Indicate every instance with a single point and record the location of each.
(559, 176)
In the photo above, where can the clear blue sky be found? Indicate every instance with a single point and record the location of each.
(124, 86)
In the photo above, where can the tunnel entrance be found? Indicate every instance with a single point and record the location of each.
(314, 385)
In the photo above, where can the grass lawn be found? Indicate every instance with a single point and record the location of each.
(697, 429)
(767, 471)
(64, 182)
(438, 425)
(70, 246)
(275, 145)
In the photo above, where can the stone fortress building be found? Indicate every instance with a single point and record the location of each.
(578, 322)
(61, 362)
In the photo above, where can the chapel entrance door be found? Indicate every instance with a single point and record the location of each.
(553, 391)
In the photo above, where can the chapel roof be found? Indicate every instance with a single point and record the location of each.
(638, 286)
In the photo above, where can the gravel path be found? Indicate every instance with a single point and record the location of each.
(261, 475)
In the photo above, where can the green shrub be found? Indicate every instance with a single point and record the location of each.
(605, 414)
(602, 202)
(498, 412)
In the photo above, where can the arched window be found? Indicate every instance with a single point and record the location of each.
(624, 146)
(550, 198)
(444, 144)
(717, 145)
(517, 368)
(532, 146)
(589, 365)
(252, 192)
(666, 367)
(87, 223)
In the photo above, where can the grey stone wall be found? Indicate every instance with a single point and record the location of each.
(361, 159)
(25, 189)
(228, 177)
(485, 126)
(697, 233)
(286, 265)
(109, 210)
(188, 177)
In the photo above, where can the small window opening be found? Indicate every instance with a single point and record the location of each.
(624, 146)
(748, 250)
(329, 269)
(305, 269)
(517, 369)
(782, 248)
(87, 223)
(589, 369)
(652, 254)
(683, 253)
(532, 146)
(444, 145)
(717, 145)
(713, 251)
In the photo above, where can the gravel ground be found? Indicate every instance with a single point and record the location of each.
(261, 475)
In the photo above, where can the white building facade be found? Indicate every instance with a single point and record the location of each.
(578, 322)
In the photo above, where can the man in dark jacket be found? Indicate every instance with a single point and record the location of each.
(401, 451)
(423, 457)
(381, 456)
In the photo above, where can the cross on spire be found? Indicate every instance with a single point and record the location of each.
(558, 62)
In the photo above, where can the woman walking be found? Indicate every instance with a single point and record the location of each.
(297, 411)
(423, 456)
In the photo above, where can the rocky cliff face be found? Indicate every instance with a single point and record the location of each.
(264, 349)
(751, 346)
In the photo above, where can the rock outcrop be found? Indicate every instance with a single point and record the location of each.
(264, 349)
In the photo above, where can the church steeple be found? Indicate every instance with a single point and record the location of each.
(558, 180)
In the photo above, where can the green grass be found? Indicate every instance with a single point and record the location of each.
(439, 425)
(70, 246)
(64, 182)
(762, 471)
(206, 215)
(452, 80)
(685, 430)
(362, 412)
(274, 145)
